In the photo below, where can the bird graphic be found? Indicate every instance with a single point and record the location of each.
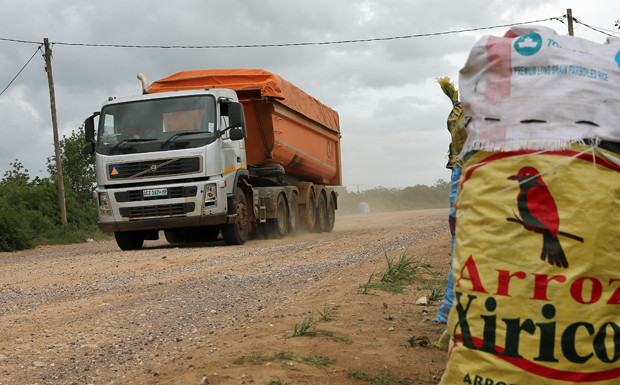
(540, 214)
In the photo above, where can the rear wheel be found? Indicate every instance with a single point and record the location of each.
(293, 216)
(129, 240)
(308, 213)
(237, 233)
(279, 225)
(330, 215)
(321, 215)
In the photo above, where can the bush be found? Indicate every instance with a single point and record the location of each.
(15, 232)
(30, 212)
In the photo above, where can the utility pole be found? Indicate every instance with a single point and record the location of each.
(50, 80)
(569, 16)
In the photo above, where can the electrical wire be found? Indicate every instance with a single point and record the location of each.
(20, 41)
(560, 19)
(600, 29)
(20, 71)
(292, 44)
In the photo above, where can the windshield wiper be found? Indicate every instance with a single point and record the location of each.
(173, 137)
(133, 140)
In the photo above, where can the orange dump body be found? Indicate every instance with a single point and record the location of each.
(285, 125)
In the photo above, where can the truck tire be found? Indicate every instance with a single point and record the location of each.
(308, 212)
(330, 215)
(192, 234)
(129, 240)
(172, 236)
(237, 233)
(278, 226)
(321, 215)
(293, 215)
(210, 233)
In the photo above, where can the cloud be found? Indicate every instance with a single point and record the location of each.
(392, 112)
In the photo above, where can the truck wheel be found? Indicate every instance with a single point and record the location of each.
(129, 240)
(172, 236)
(237, 233)
(277, 226)
(308, 213)
(210, 233)
(321, 215)
(330, 215)
(192, 234)
(293, 216)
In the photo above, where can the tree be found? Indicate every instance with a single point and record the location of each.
(78, 168)
(18, 176)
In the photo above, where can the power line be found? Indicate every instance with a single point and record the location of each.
(159, 46)
(20, 71)
(306, 43)
(21, 41)
(600, 29)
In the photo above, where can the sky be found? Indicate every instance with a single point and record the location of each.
(392, 112)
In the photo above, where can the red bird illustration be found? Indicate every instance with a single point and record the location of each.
(540, 214)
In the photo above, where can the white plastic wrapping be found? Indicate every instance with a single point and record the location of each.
(535, 89)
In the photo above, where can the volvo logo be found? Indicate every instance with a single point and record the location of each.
(153, 168)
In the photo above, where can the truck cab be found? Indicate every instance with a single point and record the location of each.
(167, 161)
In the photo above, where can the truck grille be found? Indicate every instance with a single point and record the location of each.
(154, 168)
(173, 192)
(157, 211)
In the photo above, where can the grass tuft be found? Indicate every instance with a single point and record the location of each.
(325, 316)
(285, 358)
(303, 329)
(419, 341)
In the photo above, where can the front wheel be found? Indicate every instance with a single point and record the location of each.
(173, 236)
(237, 233)
(129, 240)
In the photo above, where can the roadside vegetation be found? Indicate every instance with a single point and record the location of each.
(30, 207)
(402, 271)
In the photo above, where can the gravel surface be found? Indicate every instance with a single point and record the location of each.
(92, 314)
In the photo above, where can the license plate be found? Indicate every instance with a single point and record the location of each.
(156, 192)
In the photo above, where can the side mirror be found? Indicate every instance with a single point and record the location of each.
(89, 128)
(236, 120)
(89, 134)
(235, 115)
(236, 133)
(89, 148)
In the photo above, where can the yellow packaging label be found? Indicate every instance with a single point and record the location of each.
(537, 270)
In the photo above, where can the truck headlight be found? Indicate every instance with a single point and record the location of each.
(210, 194)
(104, 204)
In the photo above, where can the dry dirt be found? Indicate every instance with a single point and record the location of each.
(216, 314)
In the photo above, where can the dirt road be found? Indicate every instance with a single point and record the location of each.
(215, 314)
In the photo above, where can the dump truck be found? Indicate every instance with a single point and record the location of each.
(236, 152)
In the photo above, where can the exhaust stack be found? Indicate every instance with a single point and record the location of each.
(145, 83)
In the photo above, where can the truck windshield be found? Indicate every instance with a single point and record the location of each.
(156, 125)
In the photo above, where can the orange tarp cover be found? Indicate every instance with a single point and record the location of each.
(269, 84)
